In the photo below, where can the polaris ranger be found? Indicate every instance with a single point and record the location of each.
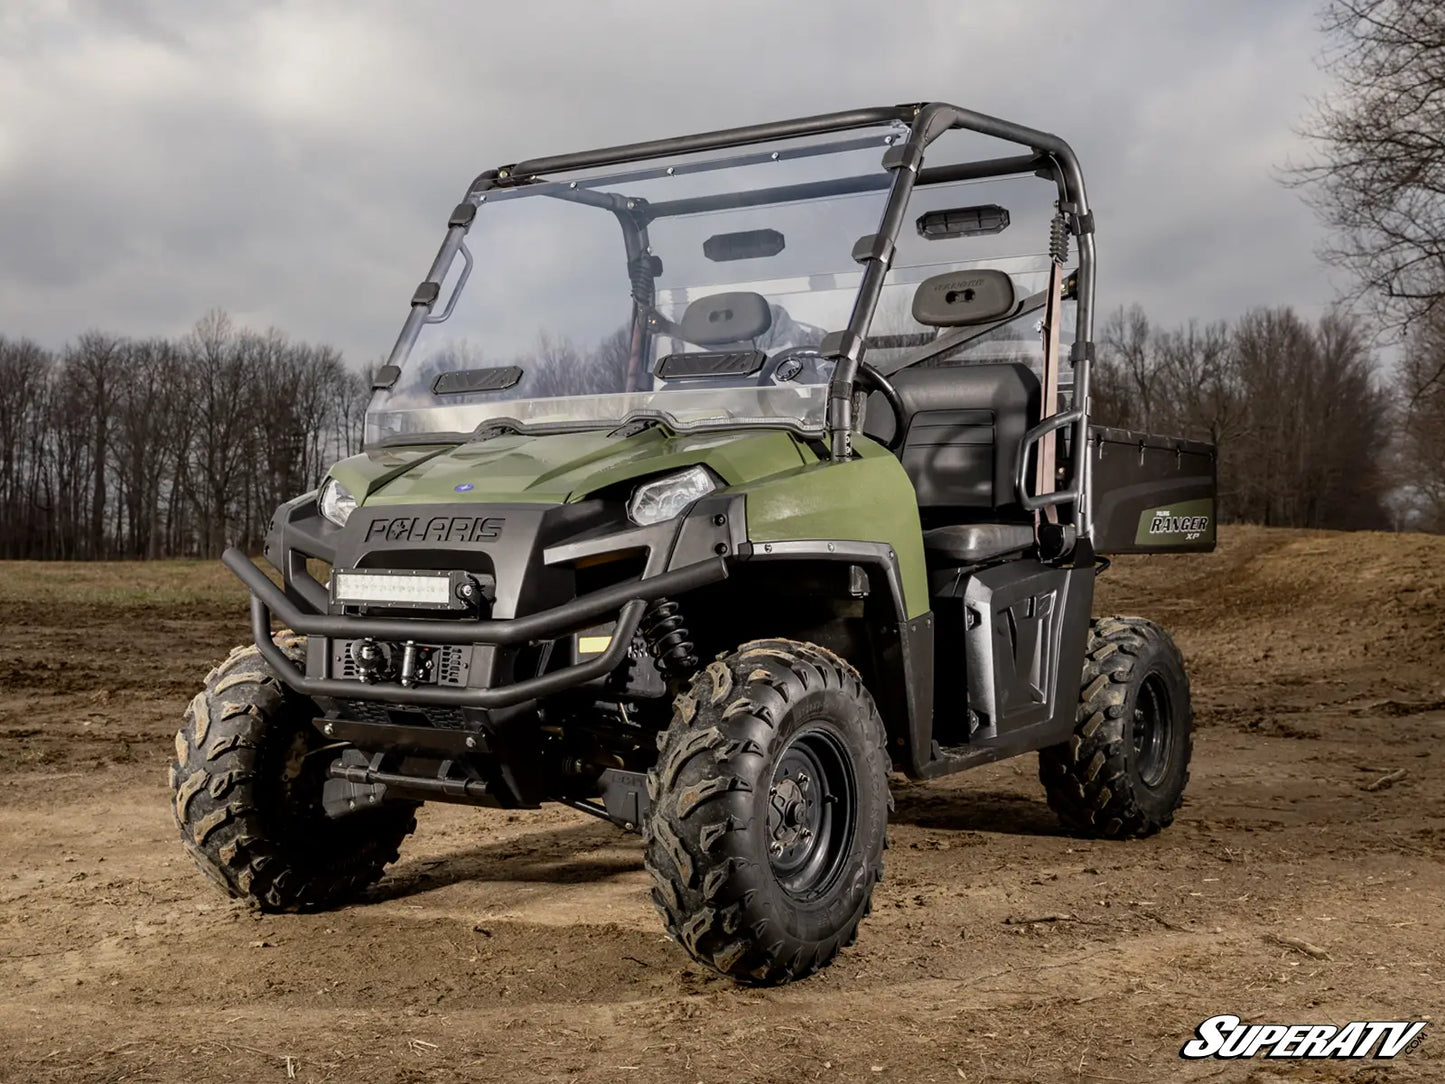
(709, 481)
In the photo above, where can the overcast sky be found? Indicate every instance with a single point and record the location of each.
(294, 162)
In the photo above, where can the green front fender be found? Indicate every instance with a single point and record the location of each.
(867, 499)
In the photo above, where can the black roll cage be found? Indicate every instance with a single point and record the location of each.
(1048, 156)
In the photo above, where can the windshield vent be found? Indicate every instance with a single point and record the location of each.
(963, 222)
(463, 381)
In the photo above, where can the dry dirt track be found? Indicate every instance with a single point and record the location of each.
(508, 946)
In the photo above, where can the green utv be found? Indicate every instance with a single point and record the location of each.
(710, 480)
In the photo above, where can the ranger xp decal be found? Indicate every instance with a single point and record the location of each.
(1176, 524)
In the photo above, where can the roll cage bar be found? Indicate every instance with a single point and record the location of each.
(1048, 156)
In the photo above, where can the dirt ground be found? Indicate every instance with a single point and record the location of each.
(523, 945)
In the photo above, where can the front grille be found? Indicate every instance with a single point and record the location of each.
(451, 663)
(372, 711)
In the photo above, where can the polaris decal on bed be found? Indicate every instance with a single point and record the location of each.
(1177, 524)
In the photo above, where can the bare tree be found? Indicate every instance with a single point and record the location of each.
(1301, 422)
(1124, 392)
(24, 388)
(1378, 178)
(1422, 428)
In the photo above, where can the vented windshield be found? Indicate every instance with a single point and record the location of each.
(696, 293)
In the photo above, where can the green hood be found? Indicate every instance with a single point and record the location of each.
(560, 467)
(792, 494)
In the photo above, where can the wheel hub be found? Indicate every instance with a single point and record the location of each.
(811, 812)
(1153, 731)
(792, 815)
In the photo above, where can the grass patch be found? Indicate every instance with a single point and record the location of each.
(177, 583)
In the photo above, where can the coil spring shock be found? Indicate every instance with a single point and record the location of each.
(1059, 240)
(667, 637)
(642, 271)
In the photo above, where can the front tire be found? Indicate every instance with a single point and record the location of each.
(246, 794)
(1124, 771)
(768, 810)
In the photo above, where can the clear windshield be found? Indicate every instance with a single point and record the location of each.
(698, 291)
(1020, 250)
(580, 293)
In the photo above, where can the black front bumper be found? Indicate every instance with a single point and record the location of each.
(627, 600)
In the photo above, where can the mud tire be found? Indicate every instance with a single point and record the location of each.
(1124, 771)
(246, 794)
(746, 722)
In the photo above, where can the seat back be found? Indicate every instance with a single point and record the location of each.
(963, 427)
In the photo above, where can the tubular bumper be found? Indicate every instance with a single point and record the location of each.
(628, 600)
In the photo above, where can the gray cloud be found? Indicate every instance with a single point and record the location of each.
(294, 162)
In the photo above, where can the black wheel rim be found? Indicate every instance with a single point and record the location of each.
(812, 809)
(1153, 731)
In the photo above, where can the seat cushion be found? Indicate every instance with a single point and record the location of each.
(971, 543)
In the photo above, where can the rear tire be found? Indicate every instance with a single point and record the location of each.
(768, 809)
(246, 794)
(1124, 771)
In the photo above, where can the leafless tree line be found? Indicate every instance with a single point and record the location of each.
(115, 448)
(1311, 432)
(126, 448)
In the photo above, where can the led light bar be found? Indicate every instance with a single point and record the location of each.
(392, 588)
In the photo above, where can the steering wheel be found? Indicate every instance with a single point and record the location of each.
(872, 380)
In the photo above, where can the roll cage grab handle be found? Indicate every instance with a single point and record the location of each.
(1049, 156)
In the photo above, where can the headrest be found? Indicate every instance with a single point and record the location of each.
(726, 318)
(960, 298)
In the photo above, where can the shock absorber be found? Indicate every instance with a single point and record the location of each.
(1059, 239)
(668, 639)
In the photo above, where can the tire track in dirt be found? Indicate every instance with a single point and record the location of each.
(523, 944)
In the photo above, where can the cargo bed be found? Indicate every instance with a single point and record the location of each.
(1152, 494)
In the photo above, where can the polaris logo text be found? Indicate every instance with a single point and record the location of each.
(449, 529)
(1164, 523)
(1229, 1037)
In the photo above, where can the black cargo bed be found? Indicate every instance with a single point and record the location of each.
(1152, 494)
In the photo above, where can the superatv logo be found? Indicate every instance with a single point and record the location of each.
(1164, 523)
(1229, 1037)
(449, 529)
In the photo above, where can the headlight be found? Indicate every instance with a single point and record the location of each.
(665, 498)
(336, 502)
